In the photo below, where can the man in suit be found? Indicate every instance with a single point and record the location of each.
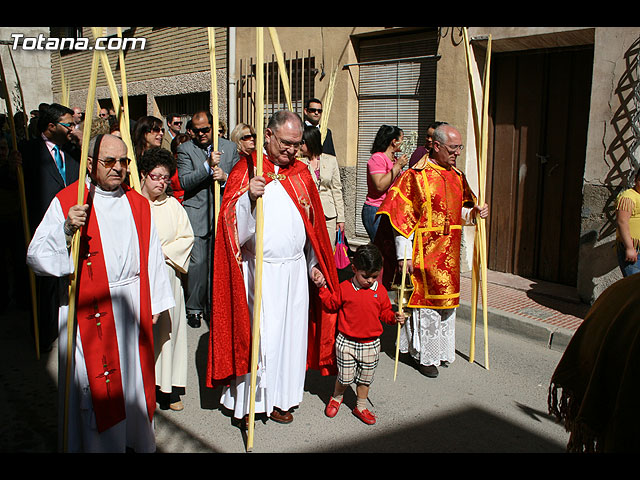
(49, 164)
(198, 169)
(312, 116)
(174, 124)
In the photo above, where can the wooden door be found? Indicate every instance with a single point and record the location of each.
(539, 111)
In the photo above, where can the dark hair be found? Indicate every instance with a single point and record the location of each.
(386, 133)
(309, 101)
(143, 126)
(156, 157)
(313, 140)
(114, 124)
(171, 116)
(367, 258)
(50, 113)
(436, 124)
(178, 140)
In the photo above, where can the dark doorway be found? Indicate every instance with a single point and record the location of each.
(539, 113)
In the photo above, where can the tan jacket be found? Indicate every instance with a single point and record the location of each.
(330, 187)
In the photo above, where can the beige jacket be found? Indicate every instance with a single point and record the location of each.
(330, 187)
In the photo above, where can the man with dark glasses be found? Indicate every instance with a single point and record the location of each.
(174, 125)
(49, 163)
(312, 116)
(197, 172)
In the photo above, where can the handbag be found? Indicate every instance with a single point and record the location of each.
(342, 255)
(341, 252)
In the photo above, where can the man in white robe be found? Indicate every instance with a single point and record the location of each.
(131, 281)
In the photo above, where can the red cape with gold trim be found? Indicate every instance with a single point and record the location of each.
(426, 201)
(230, 329)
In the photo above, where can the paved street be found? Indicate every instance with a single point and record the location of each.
(466, 409)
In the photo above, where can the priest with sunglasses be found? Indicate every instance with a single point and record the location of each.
(122, 287)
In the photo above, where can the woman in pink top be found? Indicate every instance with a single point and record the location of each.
(382, 170)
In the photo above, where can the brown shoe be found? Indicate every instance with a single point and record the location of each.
(281, 417)
(177, 406)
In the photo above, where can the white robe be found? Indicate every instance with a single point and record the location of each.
(48, 255)
(288, 259)
(170, 331)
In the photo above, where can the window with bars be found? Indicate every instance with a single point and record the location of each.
(301, 73)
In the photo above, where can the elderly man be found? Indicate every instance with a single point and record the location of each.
(296, 248)
(426, 209)
(198, 169)
(122, 286)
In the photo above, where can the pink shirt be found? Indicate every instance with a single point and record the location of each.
(378, 163)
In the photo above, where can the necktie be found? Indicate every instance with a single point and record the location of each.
(59, 163)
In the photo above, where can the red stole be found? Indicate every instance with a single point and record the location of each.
(230, 332)
(94, 312)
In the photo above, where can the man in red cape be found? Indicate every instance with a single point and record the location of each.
(296, 334)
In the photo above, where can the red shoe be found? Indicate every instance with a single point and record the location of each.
(332, 408)
(365, 415)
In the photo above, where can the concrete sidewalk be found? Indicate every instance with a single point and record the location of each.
(542, 312)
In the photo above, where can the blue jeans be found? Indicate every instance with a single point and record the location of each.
(627, 268)
(370, 220)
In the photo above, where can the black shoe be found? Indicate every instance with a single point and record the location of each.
(430, 371)
(194, 320)
(444, 364)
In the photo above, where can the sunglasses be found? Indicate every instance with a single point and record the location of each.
(110, 162)
(314, 110)
(198, 131)
(157, 129)
(248, 137)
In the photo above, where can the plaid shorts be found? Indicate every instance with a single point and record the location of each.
(356, 361)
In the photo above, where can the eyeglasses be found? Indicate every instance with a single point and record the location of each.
(157, 178)
(248, 137)
(314, 110)
(110, 161)
(286, 144)
(198, 131)
(67, 125)
(452, 148)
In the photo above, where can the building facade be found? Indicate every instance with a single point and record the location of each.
(562, 128)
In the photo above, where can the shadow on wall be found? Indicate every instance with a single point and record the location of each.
(622, 149)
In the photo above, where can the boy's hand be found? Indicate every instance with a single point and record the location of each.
(317, 277)
(401, 317)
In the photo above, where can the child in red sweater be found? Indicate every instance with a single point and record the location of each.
(361, 304)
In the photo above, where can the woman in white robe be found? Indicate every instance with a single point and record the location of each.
(156, 167)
